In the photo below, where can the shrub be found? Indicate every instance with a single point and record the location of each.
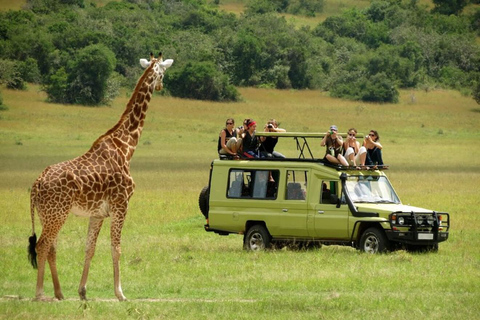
(201, 81)
(10, 74)
(476, 93)
(359, 86)
(85, 79)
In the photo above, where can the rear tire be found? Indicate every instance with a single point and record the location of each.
(203, 201)
(374, 240)
(257, 239)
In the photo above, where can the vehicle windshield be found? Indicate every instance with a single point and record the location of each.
(370, 189)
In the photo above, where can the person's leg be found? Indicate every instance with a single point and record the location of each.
(232, 144)
(349, 156)
(331, 159)
(342, 160)
(277, 154)
(377, 157)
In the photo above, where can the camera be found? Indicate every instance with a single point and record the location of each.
(270, 126)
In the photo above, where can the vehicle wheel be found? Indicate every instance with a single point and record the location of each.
(257, 238)
(374, 240)
(203, 201)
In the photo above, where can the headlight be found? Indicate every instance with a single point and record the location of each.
(419, 220)
(430, 220)
(401, 220)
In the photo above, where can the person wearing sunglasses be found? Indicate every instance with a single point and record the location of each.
(373, 156)
(334, 146)
(353, 150)
(228, 143)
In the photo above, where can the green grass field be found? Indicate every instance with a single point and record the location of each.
(173, 269)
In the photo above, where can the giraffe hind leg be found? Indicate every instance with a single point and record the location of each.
(46, 251)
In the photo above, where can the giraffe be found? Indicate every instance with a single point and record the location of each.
(96, 185)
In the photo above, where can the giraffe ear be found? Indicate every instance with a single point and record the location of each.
(144, 63)
(167, 63)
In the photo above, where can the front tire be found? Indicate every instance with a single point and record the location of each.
(257, 239)
(373, 241)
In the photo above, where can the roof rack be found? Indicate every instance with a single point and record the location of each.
(324, 163)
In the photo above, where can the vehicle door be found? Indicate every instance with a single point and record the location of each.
(293, 218)
(330, 221)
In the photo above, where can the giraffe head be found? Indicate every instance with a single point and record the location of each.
(159, 67)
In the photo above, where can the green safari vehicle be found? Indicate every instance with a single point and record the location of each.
(306, 202)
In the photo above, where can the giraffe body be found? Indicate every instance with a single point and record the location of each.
(96, 185)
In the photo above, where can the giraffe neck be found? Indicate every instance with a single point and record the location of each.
(124, 136)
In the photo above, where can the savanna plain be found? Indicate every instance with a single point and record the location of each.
(173, 269)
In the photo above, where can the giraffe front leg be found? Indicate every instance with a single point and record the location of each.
(94, 227)
(116, 233)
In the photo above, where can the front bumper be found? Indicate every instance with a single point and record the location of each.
(419, 228)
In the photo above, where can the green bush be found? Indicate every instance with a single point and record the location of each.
(476, 92)
(84, 79)
(376, 88)
(201, 81)
(10, 74)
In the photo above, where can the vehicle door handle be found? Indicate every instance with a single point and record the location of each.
(285, 210)
(320, 211)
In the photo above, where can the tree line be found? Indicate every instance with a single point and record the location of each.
(83, 54)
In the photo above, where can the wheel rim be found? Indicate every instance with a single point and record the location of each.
(371, 244)
(256, 242)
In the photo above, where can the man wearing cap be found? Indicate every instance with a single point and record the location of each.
(334, 145)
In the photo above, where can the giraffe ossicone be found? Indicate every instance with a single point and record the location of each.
(96, 184)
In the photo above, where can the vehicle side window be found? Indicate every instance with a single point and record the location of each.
(296, 188)
(329, 188)
(252, 184)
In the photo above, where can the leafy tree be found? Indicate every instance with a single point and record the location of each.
(57, 86)
(11, 75)
(476, 92)
(89, 74)
(83, 80)
(449, 7)
(201, 81)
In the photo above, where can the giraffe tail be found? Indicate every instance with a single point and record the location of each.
(32, 240)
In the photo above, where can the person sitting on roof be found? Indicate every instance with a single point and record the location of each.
(352, 149)
(334, 145)
(250, 141)
(373, 156)
(269, 143)
(227, 140)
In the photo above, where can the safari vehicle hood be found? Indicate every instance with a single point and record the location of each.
(387, 208)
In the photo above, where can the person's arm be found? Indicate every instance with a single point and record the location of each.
(324, 140)
(262, 139)
(376, 144)
(339, 140)
(280, 130)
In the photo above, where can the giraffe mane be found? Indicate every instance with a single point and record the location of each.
(129, 105)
